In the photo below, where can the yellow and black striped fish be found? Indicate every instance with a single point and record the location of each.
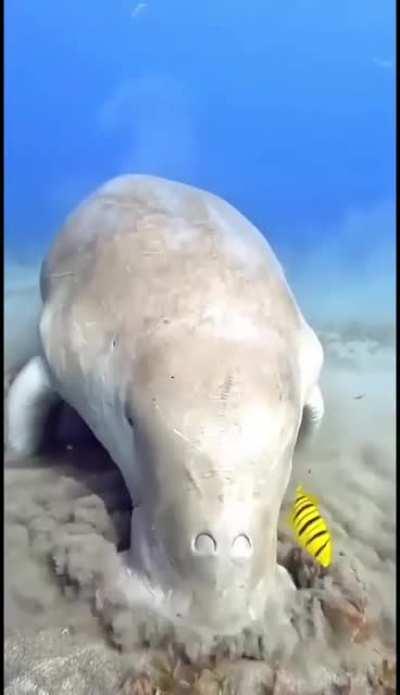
(310, 528)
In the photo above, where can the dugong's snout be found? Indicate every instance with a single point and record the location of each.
(221, 555)
(214, 557)
(210, 500)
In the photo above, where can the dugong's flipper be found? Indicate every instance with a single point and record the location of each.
(313, 412)
(315, 407)
(30, 399)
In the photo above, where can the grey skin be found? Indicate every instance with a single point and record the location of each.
(168, 325)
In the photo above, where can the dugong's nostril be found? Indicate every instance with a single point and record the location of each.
(204, 544)
(241, 546)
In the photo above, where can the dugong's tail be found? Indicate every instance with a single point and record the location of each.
(21, 315)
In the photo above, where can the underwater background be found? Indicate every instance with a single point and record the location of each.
(286, 110)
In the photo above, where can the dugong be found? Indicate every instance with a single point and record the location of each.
(168, 325)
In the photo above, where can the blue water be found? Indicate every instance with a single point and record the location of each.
(285, 109)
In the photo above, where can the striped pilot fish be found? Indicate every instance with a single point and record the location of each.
(310, 528)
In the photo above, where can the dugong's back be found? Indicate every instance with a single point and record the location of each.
(143, 252)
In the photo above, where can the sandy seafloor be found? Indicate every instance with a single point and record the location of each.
(66, 511)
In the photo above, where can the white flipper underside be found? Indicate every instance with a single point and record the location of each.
(313, 414)
(315, 407)
(30, 399)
